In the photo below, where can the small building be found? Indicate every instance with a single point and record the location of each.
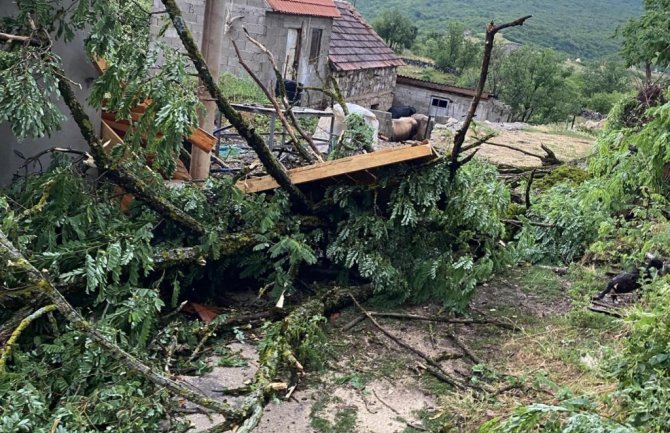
(309, 39)
(442, 100)
(364, 67)
(296, 32)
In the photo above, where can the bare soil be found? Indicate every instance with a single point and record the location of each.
(371, 385)
(567, 145)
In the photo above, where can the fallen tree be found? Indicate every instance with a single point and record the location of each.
(420, 232)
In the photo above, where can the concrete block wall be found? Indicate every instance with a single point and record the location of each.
(80, 70)
(385, 122)
(420, 98)
(269, 28)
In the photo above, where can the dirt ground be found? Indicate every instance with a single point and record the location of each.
(371, 385)
(567, 145)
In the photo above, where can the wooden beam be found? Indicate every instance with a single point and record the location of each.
(342, 167)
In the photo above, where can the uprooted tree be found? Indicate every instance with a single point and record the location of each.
(89, 289)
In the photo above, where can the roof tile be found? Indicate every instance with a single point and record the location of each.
(318, 8)
(355, 45)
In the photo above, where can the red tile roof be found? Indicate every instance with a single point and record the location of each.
(355, 45)
(317, 8)
(445, 88)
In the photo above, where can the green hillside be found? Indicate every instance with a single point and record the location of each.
(582, 28)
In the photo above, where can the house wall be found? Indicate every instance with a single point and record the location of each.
(420, 98)
(269, 28)
(78, 69)
(368, 87)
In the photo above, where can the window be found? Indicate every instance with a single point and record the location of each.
(315, 46)
(438, 106)
(374, 107)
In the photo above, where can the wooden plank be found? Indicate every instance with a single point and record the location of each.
(198, 138)
(100, 65)
(109, 137)
(341, 167)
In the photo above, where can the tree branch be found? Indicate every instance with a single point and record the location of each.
(282, 90)
(15, 260)
(299, 147)
(7, 350)
(459, 139)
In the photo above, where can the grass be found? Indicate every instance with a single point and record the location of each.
(344, 420)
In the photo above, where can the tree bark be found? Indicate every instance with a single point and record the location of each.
(459, 139)
(249, 134)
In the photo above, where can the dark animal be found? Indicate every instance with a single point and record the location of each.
(628, 282)
(398, 112)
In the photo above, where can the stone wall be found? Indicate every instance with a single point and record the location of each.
(80, 70)
(420, 98)
(269, 28)
(370, 88)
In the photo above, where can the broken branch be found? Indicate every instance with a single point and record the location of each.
(459, 139)
(296, 143)
(14, 259)
(7, 350)
(282, 91)
(436, 368)
(446, 320)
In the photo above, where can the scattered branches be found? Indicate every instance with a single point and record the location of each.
(15, 260)
(434, 367)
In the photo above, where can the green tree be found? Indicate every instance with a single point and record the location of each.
(537, 86)
(396, 29)
(605, 77)
(646, 40)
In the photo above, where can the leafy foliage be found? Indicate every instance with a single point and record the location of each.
(424, 238)
(582, 29)
(395, 28)
(645, 39)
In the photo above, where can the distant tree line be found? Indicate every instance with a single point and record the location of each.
(540, 85)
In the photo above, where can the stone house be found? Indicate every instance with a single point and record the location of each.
(442, 100)
(364, 67)
(310, 39)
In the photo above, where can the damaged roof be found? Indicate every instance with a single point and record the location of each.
(355, 45)
(317, 8)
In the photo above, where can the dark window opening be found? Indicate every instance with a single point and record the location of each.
(374, 107)
(315, 46)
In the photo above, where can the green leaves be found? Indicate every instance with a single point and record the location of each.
(28, 91)
(430, 239)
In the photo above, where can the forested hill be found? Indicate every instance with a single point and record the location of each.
(582, 28)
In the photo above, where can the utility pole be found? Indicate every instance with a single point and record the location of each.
(212, 40)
